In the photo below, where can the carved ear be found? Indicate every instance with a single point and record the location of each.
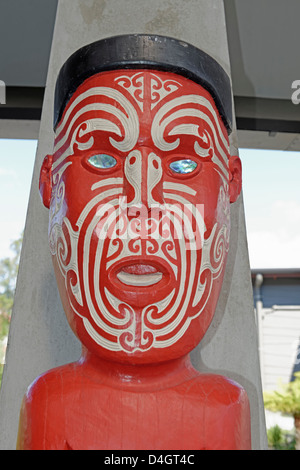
(235, 177)
(45, 183)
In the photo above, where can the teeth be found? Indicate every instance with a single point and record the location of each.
(139, 279)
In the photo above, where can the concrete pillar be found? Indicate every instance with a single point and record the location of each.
(40, 337)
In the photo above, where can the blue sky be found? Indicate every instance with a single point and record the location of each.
(271, 189)
(16, 168)
(271, 194)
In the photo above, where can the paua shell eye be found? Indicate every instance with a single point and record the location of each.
(183, 166)
(102, 161)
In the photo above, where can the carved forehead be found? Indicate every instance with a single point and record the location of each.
(132, 105)
(142, 51)
(145, 90)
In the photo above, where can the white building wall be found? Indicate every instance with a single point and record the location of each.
(279, 344)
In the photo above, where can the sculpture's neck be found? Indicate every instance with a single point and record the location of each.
(139, 376)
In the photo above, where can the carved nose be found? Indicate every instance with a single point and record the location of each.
(143, 180)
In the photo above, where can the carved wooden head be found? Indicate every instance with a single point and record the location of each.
(139, 190)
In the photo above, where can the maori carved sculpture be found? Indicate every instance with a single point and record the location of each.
(139, 189)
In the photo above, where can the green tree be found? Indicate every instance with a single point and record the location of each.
(287, 401)
(280, 439)
(8, 275)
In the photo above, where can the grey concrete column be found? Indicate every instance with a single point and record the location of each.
(40, 337)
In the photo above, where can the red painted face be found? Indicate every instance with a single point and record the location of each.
(139, 214)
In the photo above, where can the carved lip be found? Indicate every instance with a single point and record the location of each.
(141, 280)
(139, 269)
(140, 273)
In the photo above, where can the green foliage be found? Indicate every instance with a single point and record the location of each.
(9, 270)
(287, 399)
(4, 324)
(8, 276)
(280, 439)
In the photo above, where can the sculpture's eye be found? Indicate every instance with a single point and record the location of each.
(102, 161)
(183, 166)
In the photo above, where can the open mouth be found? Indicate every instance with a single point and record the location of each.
(140, 281)
(141, 275)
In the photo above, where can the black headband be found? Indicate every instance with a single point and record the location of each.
(136, 51)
